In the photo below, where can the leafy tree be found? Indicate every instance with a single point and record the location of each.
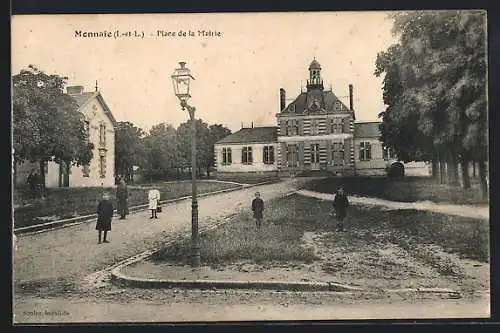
(202, 144)
(46, 123)
(128, 148)
(160, 150)
(434, 87)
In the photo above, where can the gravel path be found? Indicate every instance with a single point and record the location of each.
(65, 254)
(473, 211)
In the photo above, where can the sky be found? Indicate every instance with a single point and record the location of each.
(238, 74)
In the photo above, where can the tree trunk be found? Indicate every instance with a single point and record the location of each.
(14, 172)
(482, 179)
(42, 173)
(453, 169)
(465, 173)
(208, 172)
(442, 170)
(474, 169)
(435, 168)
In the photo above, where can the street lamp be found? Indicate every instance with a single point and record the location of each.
(181, 79)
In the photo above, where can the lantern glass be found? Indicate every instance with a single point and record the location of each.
(181, 79)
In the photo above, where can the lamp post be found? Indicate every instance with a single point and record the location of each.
(181, 79)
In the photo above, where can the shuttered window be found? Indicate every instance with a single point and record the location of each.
(338, 150)
(227, 157)
(246, 155)
(268, 157)
(365, 151)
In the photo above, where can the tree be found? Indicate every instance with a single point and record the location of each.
(434, 87)
(46, 123)
(202, 144)
(160, 150)
(128, 147)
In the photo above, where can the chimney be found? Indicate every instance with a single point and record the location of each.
(351, 106)
(282, 99)
(74, 90)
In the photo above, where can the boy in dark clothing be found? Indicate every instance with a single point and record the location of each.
(340, 204)
(257, 209)
(104, 216)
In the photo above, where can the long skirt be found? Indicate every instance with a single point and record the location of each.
(103, 224)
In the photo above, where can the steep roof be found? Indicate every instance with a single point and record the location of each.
(314, 65)
(367, 130)
(252, 135)
(83, 98)
(327, 100)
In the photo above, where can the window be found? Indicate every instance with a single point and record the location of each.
(246, 155)
(314, 127)
(227, 157)
(86, 170)
(337, 154)
(387, 153)
(365, 151)
(315, 153)
(337, 126)
(102, 133)
(292, 127)
(102, 166)
(292, 155)
(268, 157)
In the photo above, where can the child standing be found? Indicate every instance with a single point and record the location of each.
(154, 199)
(340, 204)
(104, 216)
(257, 209)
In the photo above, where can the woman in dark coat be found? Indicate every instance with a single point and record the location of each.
(104, 216)
(340, 204)
(122, 199)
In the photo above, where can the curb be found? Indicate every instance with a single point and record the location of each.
(121, 279)
(43, 227)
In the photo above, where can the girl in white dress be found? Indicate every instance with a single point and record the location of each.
(154, 199)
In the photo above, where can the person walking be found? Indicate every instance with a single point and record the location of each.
(32, 182)
(122, 199)
(258, 209)
(154, 200)
(104, 217)
(340, 205)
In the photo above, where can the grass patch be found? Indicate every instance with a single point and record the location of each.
(69, 202)
(288, 219)
(409, 189)
(278, 240)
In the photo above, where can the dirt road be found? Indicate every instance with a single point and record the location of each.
(66, 254)
(473, 211)
(179, 306)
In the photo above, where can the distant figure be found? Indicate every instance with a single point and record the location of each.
(154, 199)
(257, 209)
(122, 199)
(104, 216)
(340, 204)
(31, 181)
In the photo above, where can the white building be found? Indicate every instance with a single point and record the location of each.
(250, 150)
(101, 126)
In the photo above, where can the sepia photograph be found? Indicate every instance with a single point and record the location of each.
(250, 167)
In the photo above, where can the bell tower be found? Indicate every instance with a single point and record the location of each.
(315, 81)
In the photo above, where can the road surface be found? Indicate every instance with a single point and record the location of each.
(64, 255)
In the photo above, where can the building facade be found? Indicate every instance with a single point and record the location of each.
(100, 124)
(315, 132)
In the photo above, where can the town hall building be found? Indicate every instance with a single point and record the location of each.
(315, 132)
